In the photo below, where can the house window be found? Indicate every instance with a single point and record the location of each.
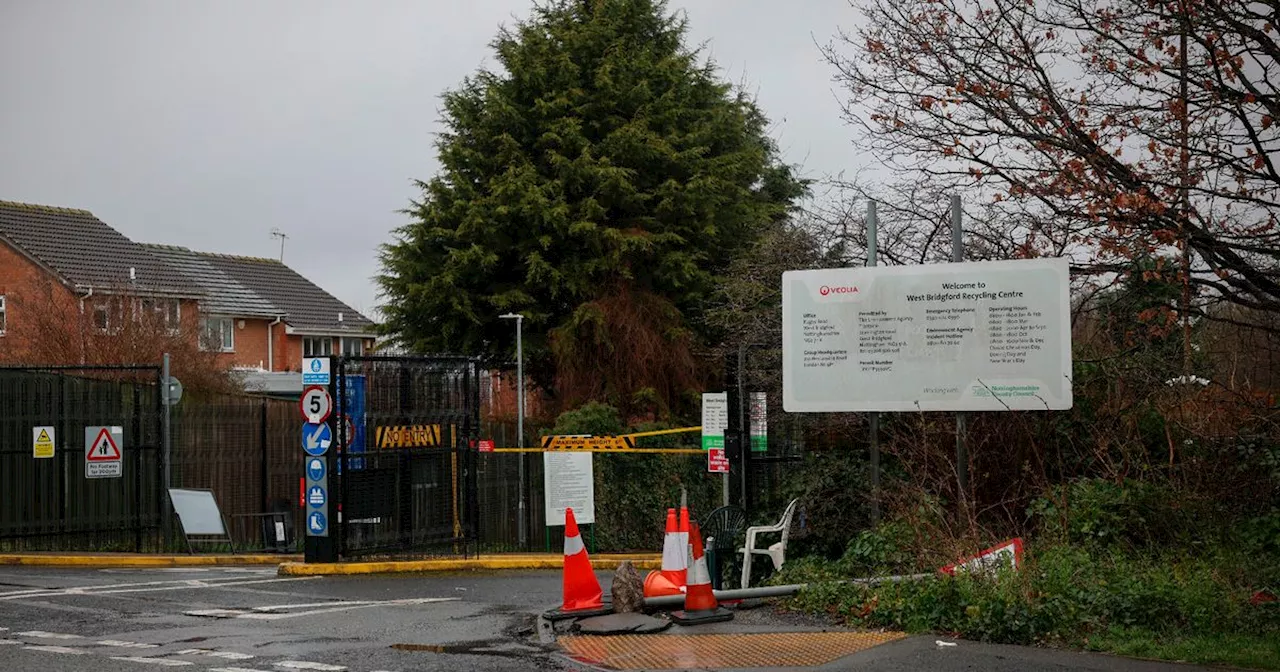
(166, 311)
(4, 315)
(218, 333)
(102, 316)
(352, 346)
(317, 346)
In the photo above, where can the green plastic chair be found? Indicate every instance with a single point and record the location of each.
(720, 534)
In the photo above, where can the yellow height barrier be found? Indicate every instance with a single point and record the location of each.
(607, 444)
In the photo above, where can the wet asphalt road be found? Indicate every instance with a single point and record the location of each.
(250, 620)
(235, 619)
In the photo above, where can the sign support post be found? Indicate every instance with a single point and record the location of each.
(166, 440)
(873, 421)
(962, 419)
(316, 406)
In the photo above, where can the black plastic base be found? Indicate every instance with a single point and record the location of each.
(699, 617)
(559, 614)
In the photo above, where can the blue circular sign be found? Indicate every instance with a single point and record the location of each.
(315, 366)
(316, 523)
(315, 469)
(316, 497)
(316, 438)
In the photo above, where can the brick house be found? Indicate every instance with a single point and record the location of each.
(81, 279)
(256, 315)
(264, 316)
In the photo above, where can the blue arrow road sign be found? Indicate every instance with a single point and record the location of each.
(316, 523)
(316, 439)
(315, 469)
(316, 496)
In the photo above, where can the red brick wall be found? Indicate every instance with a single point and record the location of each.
(23, 284)
(250, 345)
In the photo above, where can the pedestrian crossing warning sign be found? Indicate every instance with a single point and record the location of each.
(103, 452)
(42, 445)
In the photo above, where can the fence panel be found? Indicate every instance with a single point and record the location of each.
(406, 475)
(245, 450)
(50, 503)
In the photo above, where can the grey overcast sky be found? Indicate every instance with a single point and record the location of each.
(207, 124)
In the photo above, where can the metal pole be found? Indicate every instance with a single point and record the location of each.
(744, 450)
(524, 523)
(166, 442)
(167, 439)
(873, 223)
(667, 601)
(962, 419)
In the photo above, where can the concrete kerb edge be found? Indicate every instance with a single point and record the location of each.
(459, 565)
(139, 561)
(492, 563)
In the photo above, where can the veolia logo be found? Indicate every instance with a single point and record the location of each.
(827, 290)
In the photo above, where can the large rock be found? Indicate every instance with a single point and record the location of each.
(628, 589)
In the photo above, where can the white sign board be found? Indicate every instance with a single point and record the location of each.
(103, 452)
(567, 482)
(759, 422)
(315, 370)
(197, 511)
(715, 419)
(976, 336)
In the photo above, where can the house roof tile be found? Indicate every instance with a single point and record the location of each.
(306, 306)
(82, 250)
(224, 294)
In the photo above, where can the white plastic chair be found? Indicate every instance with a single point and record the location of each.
(777, 552)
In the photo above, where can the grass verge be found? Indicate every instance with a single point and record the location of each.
(1149, 604)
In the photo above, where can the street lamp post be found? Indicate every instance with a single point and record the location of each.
(522, 524)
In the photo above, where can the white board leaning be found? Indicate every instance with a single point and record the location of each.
(973, 336)
(568, 482)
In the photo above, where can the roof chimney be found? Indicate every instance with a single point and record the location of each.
(339, 317)
(133, 273)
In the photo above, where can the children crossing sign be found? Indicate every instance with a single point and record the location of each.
(103, 452)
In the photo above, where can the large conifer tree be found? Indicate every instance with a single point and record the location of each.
(597, 182)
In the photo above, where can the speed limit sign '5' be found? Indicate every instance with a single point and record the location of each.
(316, 404)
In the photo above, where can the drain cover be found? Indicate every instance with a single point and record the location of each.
(678, 652)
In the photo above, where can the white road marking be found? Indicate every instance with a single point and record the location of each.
(226, 655)
(155, 586)
(24, 592)
(127, 645)
(236, 669)
(348, 607)
(230, 655)
(40, 634)
(154, 661)
(9, 642)
(55, 649)
(277, 612)
(304, 665)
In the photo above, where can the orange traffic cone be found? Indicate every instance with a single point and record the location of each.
(582, 593)
(669, 581)
(700, 605)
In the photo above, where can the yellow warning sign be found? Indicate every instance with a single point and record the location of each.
(42, 445)
(410, 436)
(596, 444)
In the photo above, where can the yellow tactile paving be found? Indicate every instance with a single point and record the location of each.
(680, 652)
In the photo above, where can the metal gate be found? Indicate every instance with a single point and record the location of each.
(406, 433)
(48, 498)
